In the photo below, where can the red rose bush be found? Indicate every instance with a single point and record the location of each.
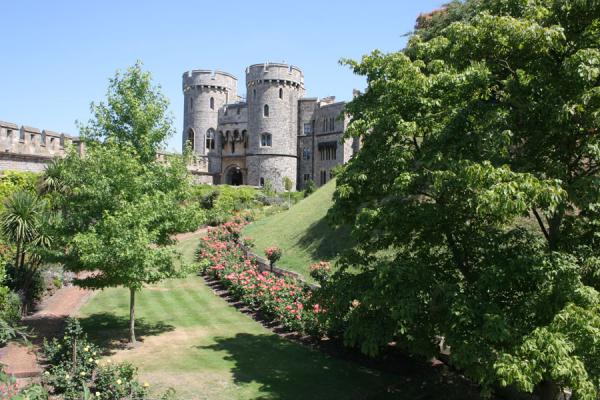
(284, 299)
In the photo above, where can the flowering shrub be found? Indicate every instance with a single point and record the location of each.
(281, 298)
(118, 381)
(75, 371)
(71, 361)
(320, 271)
(273, 254)
(248, 241)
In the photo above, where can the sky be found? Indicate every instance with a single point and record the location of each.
(57, 56)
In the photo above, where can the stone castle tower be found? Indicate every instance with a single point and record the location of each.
(273, 91)
(205, 93)
(275, 133)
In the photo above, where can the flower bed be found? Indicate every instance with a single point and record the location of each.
(284, 299)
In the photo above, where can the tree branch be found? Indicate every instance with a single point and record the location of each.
(541, 224)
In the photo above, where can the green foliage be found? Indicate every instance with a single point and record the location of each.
(21, 222)
(309, 188)
(10, 390)
(118, 381)
(208, 200)
(118, 206)
(74, 370)
(135, 114)
(287, 183)
(268, 189)
(10, 310)
(27, 282)
(71, 360)
(17, 181)
(488, 118)
(224, 201)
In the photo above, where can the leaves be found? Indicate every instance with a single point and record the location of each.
(475, 199)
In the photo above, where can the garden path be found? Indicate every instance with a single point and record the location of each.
(19, 359)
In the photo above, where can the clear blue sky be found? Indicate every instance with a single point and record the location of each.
(57, 55)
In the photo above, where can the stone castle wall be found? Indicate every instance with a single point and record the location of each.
(30, 149)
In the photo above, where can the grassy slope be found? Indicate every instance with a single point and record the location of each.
(302, 232)
(197, 343)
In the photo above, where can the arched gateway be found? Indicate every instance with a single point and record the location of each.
(234, 176)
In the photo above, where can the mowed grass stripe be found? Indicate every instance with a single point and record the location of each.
(220, 353)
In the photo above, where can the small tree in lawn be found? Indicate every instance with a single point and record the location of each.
(118, 205)
(287, 185)
(273, 254)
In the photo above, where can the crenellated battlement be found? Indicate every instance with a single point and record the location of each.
(274, 73)
(30, 141)
(26, 148)
(209, 79)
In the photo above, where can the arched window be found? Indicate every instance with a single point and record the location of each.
(212, 103)
(254, 93)
(245, 138)
(266, 110)
(236, 135)
(190, 138)
(232, 147)
(191, 104)
(266, 140)
(262, 181)
(222, 139)
(210, 139)
(281, 93)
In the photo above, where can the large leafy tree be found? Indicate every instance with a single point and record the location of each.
(118, 205)
(475, 200)
(135, 114)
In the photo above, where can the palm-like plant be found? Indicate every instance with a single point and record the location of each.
(50, 181)
(20, 220)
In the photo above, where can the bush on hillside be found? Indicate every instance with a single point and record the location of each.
(220, 203)
(309, 188)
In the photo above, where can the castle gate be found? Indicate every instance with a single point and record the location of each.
(234, 176)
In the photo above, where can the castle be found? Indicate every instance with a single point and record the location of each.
(29, 149)
(274, 133)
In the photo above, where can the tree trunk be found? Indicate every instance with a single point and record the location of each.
(554, 225)
(131, 316)
(17, 255)
(74, 356)
(548, 390)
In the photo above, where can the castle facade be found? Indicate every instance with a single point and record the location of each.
(275, 132)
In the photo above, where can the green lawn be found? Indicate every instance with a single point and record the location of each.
(206, 349)
(302, 232)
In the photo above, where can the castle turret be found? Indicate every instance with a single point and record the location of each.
(205, 92)
(273, 91)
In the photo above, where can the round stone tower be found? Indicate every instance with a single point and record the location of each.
(272, 94)
(205, 92)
